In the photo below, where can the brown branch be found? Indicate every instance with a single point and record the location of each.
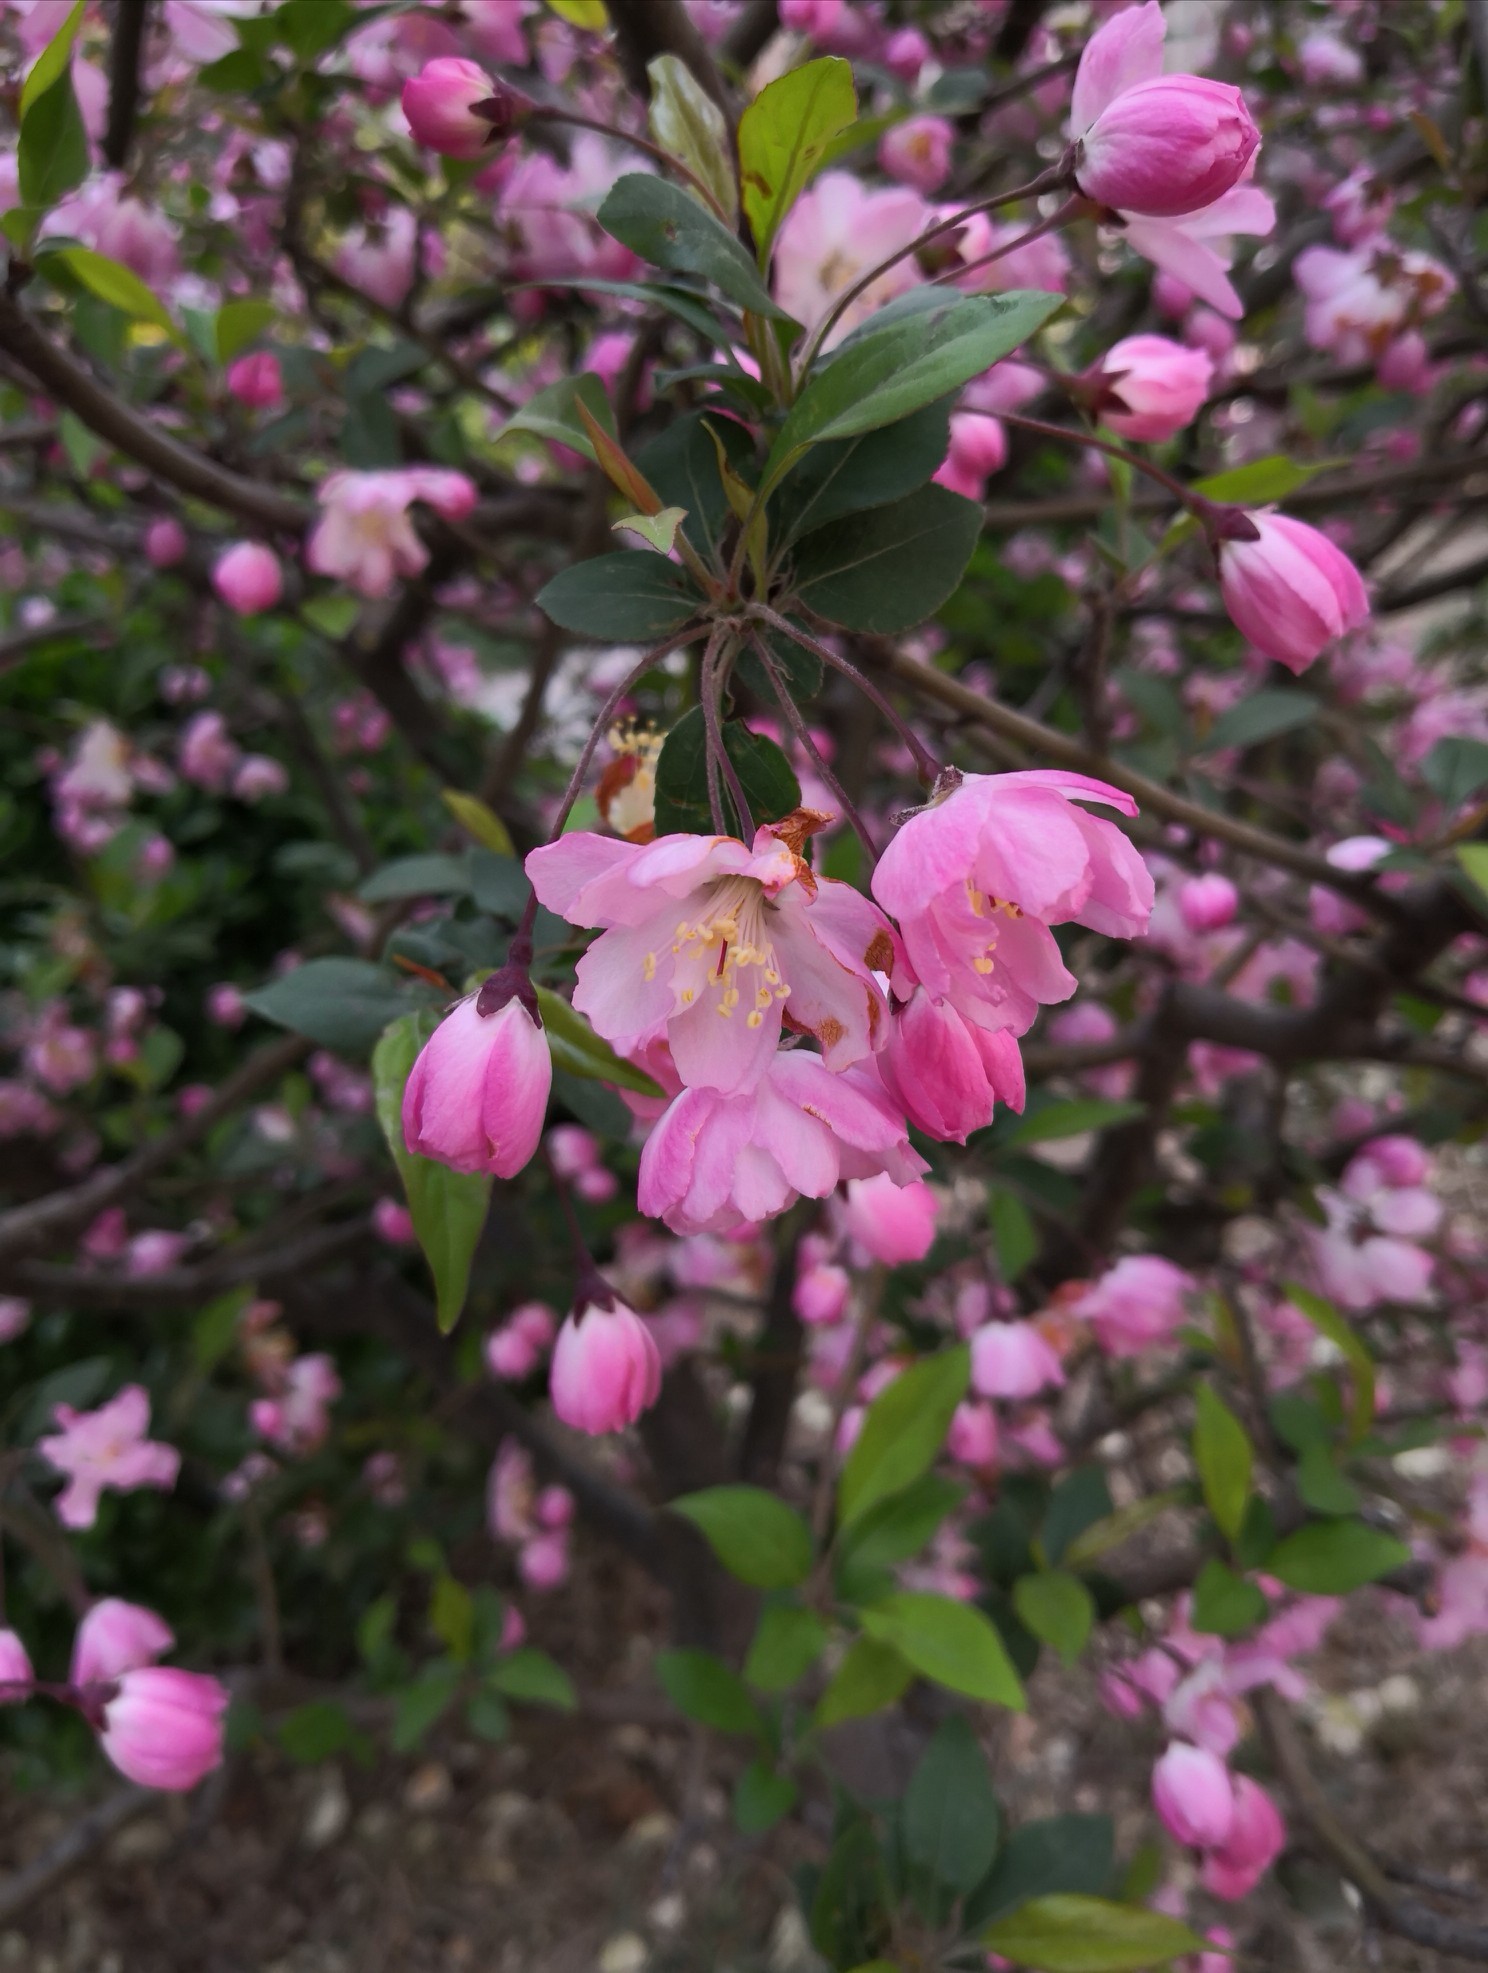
(130, 20)
(69, 383)
(645, 29)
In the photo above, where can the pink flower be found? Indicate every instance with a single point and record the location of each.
(393, 1223)
(165, 542)
(255, 380)
(477, 1095)
(298, 1419)
(821, 1294)
(606, 1370)
(1135, 1304)
(1358, 302)
(1257, 1837)
(205, 752)
(116, 1637)
(976, 880)
(366, 535)
(381, 260)
(225, 1005)
(1012, 1360)
(1191, 1791)
(1360, 205)
(542, 1560)
(892, 1222)
(1290, 591)
(917, 152)
(1147, 142)
(248, 578)
(972, 1438)
(15, 1317)
(106, 1448)
(1208, 903)
(258, 775)
(515, 1349)
(710, 943)
(1194, 250)
(15, 1668)
(978, 448)
(440, 105)
(946, 1072)
(714, 1162)
(836, 231)
(1325, 58)
(1149, 388)
(163, 1728)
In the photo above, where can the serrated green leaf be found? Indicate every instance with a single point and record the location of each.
(669, 228)
(783, 135)
(578, 1049)
(1224, 1604)
(761, 1797)
(1260, 716)
(703, 1687)
(888, 569)
(949, 1816)
(337, 1003)
(553, 413)
(787, 1644)
(1331, 1558)
(632, 596)
(870, 1677)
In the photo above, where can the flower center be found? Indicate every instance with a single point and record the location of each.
(733, 924)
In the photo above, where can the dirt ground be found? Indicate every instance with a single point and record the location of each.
(602, 1843)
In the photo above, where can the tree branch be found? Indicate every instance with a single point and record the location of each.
(130, 20)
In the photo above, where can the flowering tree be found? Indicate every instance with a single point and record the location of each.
(651, 584)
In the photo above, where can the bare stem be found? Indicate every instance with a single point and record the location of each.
(925, 761)
(802, 732)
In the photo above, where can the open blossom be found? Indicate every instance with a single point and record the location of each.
(713, 945)
(297, 1419)
(1012, 1360)
(1196, 250)
(106, 1448)
(476, 1097)
(606, 1369)
(1148, 387)
(366, 536)
(116, 1637)
(836, 231)
(1148, 142)
(1135, 1304)
(162, 1728)
(976, 880)
(516, 1349)
(917, 152)
(715, 1162)
(1360, 300)
(1367, 1251)
(381, 259)
(1290, 591)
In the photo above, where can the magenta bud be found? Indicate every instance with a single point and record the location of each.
(478, 1093)
(255, 380)
(248, 578)
(163, 1728)
(606, 1368)
(455, 108)
(1168, 146)
(1289, 590)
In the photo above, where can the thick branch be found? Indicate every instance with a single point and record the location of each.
(130, 20)
(645, 29)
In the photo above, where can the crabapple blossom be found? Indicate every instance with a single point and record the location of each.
(1289, 590)
(163, 1728)
(1148, 388)
(1208, 903)
(1192, 1792)
(296, 1419)
(477, 1095)
(890, 1221)
(515, 1349)
(1136, 1304)
(606, 1370)
(837, 230)
(1012, 1360)
(947, 1072)
(1257, 1836)
(440, 103)
(165, 542)
(917, 152)
(248, 578)
(116, 1637)
(1195, 251)
(106, 1449)
(365, 536)
(256, 381)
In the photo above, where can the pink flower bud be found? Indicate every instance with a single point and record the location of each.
(439, 103)
(947, 1073)
(255, 380)
(1256, 1838)
(1149, 388)
(606, 1369)
(165, 542)
(1168, 146)
(1208, 903)
(906, 53)
(393, 1223)
(1012, 1360)
(1290, 591)
(248, 578)
(917, 152)
(117, 1637)
(1191, 1791)
(542, 1562)
(894, 1223)
(15, 1667)
(821, 1294)
(163, 1728)
(478, 1093)
(972, 1438)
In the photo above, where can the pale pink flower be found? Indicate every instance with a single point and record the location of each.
(836, 231)
(917, 152)
(516, 1349)
(1012, 1360)
(821, 1293)
(889, 1221)
(978, 448)
(163, 1728)
(1290, 591)
(1043, 263)
(972, 1438)
(1360, 206)
(1192, 1792)
(717, 1161)
(606, 1370)
(116, 1637)
(259, 775)
(976, 880)
(298, 1419)
(205, 752)
(365, 536)
(1327, 59)
(15, 1317)
(380, 259)
(1136, 1304)
(1150, 143)
(477, 1094)
(1359, 301)
(106, 1448)
(1196, 250)
(709, 943)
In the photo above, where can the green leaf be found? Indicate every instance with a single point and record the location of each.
(1339, 1331)
(1113, 1529)
(949, 1815)
(1261, 481)
(620, 598)
(686, 121)
(553, 413)
(578, 1049)
(487, 1717)
(309, 27)
(1081, 1500)
(52, 155)
(949, 1642)
(867, 471)
(478, 821)
(54, 61)
(899, 1525)
(1014, 1233)
(533, 1676)
(1330, 1558)
(761, 1798)
(663, 224)
(870, 1677)
(783, 136)
(429, 875)
(1069, 1119)
(703, 1687)
(332, 615)
(1223, 1456)
(1456, 768)
(1070, 1934)
(1260, 716)
(681, 463)
(787, 1644)
(890, 370)
(766, 776)
(316, 1731)
(116, 284)
(337, 1003)
(420, 1704)
(658, 531)
(452, 1617)
(1057, 1608)
(448, 1208)
(903, 1431)
(756, 1536)
(1474, 860)
(1061, 1853)
(1224, 1604)
(889, 568)
(239, 323)
(1322, 1486)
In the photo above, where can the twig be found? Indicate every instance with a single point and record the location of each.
(130, 20)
